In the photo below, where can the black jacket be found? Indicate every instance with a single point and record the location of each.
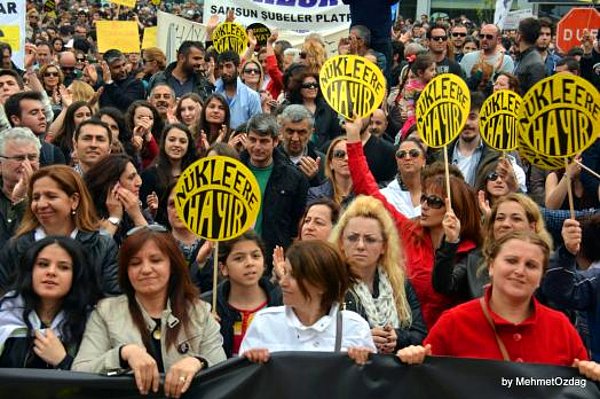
(314, 153)
(413, 335)
(100, 249)
(325, 190)
(229, 315)
(282, 203)
(201, 85)
(18, 353)
(460, 278)
(120, 94)
(529, 69)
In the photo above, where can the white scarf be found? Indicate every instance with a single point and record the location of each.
(381, 311)
(12, 323)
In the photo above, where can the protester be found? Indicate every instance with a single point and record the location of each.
(92, 142)
(146, 126)
(158, 326)
(43, 318)
(214, 122)
(60, 205)
(318, 220)
(121, 89)
(529, 66)
(338, 182)
(188, 111)
(76, 113)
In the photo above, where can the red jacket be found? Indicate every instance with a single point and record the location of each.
(545, 337)
(275, 85)
(418, 248)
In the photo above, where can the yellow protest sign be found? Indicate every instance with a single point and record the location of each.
(150, 37)
(218, 198)
(120, 35)
(127, 3)
(229, 36)
(442, 109)
(560, 116)
(261, 33)
(11, 34)
(352, 84)
(539, 160)
(498, 120)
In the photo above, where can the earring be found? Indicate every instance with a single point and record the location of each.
(74, 211)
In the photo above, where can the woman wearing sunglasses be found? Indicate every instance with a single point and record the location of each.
(404, 192)
(368, 240)
(421, 238)
(252, 75)
(496, 180)
(466, 278)
(338, 182)
(52, 77)
(159, 325)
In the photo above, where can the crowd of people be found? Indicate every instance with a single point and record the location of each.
(357, 246)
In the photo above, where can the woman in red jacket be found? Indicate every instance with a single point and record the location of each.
(421, 237)
(508, 323)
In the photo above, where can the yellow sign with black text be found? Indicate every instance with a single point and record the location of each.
(498, 120)
(560, 116)
(442, 109)
(352, 85)
(218, 198)
(119, 35)
(229, 36)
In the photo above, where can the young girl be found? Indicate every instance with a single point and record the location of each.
(245, 291)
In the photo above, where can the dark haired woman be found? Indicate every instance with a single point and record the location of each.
(42, 320)
(158, 326)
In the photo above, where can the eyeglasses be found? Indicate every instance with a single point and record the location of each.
(433, 201)
(492, 176)
(80, 59)
(439, 38)
(313, 85)
(354, 239)
(155, 227)
(22, 158)
(48, 74)
(459, 34)
(252, 71)
(488, 37)
(339, 154)
(413, 153)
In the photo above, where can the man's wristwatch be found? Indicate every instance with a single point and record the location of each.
(114, 220)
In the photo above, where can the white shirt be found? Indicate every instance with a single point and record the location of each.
(278, 329)
(400, 199)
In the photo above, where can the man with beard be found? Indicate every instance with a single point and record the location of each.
(243, 101)
(26, 109)
(67, 63)
(296, 125)
(542, 45)
(120, 88)
(163, 98)
(186, 75)
(459, 35)
(471, 155)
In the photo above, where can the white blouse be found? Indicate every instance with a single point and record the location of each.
(278, 329)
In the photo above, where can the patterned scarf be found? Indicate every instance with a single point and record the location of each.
(381, 311)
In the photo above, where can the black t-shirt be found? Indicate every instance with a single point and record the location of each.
(449, 66)
(380, 156)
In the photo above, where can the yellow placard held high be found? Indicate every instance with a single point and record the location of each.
(498, 120)
(120, 35)
(539, 160)
(560, 116)
(229, 36)
(150, 37)
(127, 3)
(442, 109)
(218, 198)
(352, 85)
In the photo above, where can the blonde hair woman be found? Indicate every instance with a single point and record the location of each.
(367, 237)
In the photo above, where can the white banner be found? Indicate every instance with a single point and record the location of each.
(12, 27)
(502, 9)
(511, 22)
(295, 15)
(173, 30)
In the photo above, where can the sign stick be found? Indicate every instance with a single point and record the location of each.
(447, 169)
(569, 191)
(118, 10)
(215, 278)
(591, 172)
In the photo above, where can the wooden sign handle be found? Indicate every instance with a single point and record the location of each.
(215, 277)
(569, 190)
(447, 170)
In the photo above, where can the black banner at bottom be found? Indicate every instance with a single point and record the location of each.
(317, 375)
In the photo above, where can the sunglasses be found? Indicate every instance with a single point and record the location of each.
(252, 71)
(339, 154)
(48, 74)
(439, 38)
(459, 34)
(413, 153)
(67, 69)
(492, 176)
(433, 201)
(488, 37)
(310, 85)
(155, 227)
